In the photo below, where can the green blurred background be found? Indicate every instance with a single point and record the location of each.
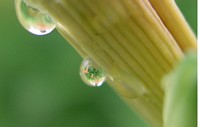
(40, 84)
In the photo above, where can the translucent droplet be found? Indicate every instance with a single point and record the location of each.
(32, 19)
(125, 82)
(91, 73)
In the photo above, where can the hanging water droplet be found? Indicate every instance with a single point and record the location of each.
(32, 19)
(91, 73)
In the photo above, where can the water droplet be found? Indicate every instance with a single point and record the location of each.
(125, 82)
(32, 19)
(91, 73)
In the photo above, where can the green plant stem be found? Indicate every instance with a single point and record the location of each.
(180, 106)
(127, 39)
(176, 23)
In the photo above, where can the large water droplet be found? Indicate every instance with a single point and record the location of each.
(91, 73)
(32, 19)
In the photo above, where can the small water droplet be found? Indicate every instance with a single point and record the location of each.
(32, 19)
(91, 73)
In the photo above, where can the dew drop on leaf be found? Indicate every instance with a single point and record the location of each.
(33, 20)
(91, 73)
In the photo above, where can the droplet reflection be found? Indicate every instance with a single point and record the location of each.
(33, 20)
(92, 74)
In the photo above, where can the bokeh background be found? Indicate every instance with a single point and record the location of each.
(40, 84)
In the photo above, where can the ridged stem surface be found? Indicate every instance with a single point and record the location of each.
(130, 39)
